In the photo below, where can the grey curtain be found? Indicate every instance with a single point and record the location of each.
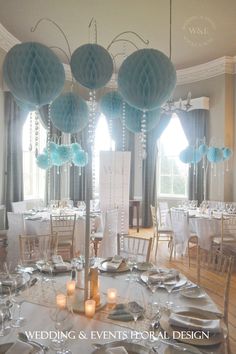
(53, 177)
(195, 126)
(14, 121)
(149, 190)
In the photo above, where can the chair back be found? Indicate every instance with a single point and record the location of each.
(37, 247)
(19, 207)
(163, 209)
(180, 225)
(64, 226)
(154, 220)
(108, 245)
(228, 230)
(221, 265)
(139, 247)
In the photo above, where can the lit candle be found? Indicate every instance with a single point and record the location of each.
(111, 295)
(90, 306)
(70, 287)
(61, 301)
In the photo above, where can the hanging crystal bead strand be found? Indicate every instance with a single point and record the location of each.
(49, 152)
(123, 126)
(36, 133)
(30, 131)
(144, 131)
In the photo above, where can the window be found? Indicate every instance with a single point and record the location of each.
(172, 174)
(33, 177)
(103, 142)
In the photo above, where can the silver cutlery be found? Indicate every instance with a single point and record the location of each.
(23, 337)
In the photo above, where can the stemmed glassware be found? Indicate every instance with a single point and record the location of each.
(136, 302)
(5, 304)
(60, 318)
(131, 263)
(18, 320)
(169, 286)
(81, 206)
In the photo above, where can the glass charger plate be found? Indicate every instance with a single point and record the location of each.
(194, 293)
(4, 348)
(184, 347)
(214, 338)
(44, 268)
(131, 348)
(103, 266)
(182, 279)
(9, 281)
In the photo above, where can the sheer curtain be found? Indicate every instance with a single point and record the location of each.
(195, 126)
(14, 121)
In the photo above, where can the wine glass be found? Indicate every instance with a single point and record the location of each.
(136, 303)
(60, 318)
(18, 320)
(131, 263)
(4, 311)
(81, 206)
(169, 286)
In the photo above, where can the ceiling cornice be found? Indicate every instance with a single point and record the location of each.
(220, 66)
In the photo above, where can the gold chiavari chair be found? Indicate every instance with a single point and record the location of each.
(227, 237)
(64, 226)
(36, 247)
(160, 234)
(139, 247)
(214, 271)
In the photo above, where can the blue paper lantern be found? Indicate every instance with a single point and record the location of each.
(133, 119)
(215, 154)
(91, 66)
(197, 156)
(33, 73)
(187, 155)
(43, 162)
(69, 113)
(111, 105)
(64, 153)
(80, 158)
(146, 79)
(227, 153)
(24, 106)
(75, 147)
(203, 149)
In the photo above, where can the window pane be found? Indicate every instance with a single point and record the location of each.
(166, 185)
(166, 165)
(179, 185)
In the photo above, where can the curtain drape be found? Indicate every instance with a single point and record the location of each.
(195, 126)
(149, 190)
(14, 121)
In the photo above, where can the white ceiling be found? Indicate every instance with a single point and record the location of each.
(203, 30)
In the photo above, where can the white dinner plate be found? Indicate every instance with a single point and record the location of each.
(144, 266)
(193, 293)
(182, 279)
(4, 348)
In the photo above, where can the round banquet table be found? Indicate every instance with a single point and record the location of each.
(38, 318)
(205, 227)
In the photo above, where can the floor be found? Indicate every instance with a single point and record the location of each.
(214, 290)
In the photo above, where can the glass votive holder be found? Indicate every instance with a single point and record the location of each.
(111, 296)
(61, 301)
(90, 308)
(70, 287)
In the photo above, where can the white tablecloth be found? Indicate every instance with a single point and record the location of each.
(38, 318)
(205, 228)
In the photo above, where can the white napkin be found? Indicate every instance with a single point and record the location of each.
(60, 266)
(116, 350)
(163, 276)
(20, 348)
(114, 263)
(195, 323)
